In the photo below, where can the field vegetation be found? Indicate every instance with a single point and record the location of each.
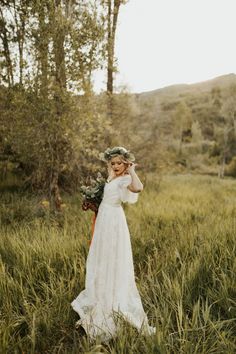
(52, 128)
(183, 238)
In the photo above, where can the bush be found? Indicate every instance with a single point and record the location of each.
(231, 168)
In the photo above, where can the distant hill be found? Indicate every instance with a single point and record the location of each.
(159, 105)
(155, 121)
(200, 87)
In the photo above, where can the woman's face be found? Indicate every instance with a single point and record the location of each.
(118, 166)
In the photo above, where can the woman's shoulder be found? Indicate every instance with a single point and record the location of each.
(125, 180)
(127, 176)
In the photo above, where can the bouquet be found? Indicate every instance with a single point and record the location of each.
(93, 193)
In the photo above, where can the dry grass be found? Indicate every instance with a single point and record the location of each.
(183, 239)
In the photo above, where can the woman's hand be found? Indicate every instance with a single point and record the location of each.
(131, 167)
(136, 185)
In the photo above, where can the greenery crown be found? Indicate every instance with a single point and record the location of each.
(117, 150)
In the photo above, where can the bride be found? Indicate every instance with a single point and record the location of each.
(110, 287)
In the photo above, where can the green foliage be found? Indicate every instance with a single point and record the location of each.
(196, 133)
(49, 120)
(182, 118)
(231, 168)
(183, 241)
(185, 120)
(41, 142)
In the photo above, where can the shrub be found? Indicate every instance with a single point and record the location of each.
(231, 168)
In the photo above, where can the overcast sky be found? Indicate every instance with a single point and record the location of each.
(165, 42)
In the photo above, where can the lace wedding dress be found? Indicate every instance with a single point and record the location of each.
(110, 286)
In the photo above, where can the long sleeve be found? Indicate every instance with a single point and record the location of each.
(126, 195)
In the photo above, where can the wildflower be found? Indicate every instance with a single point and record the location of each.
(45, 203)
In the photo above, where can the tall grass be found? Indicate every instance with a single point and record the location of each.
(183, 239)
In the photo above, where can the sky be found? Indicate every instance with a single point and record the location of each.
(165, 42)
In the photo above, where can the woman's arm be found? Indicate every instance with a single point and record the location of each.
(136, 185)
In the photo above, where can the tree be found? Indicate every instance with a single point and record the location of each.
(228, 111)
(43, 122)
(112, 8)
(182, 123)
(21, 17)
(5, 51)
(197, 137)
(216, 98)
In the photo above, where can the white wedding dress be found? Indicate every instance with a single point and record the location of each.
(110, 286)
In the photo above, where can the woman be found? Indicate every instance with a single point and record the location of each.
(110, 286)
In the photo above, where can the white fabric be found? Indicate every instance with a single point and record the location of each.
(125, 194)
(110, 286)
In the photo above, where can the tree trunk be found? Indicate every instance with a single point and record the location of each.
(112, 25)
(55, 191)
(109, 49)
(112, 16)
(60, 86)
(58, 45)
(43, 51)
(20, 31)
(6, 51)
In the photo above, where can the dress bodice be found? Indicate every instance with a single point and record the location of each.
(116, 192)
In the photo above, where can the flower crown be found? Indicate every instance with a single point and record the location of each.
(117, 150)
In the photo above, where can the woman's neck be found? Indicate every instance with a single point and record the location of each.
(123, 174)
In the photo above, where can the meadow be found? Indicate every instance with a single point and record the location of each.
(183, 239)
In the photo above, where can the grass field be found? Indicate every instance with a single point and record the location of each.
(183, 238)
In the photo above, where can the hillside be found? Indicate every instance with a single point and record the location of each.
(223, 82)
(166, 118)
